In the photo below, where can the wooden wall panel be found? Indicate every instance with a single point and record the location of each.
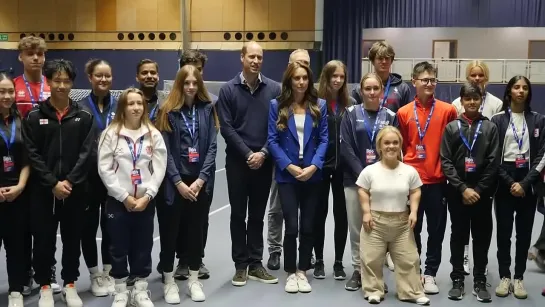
(36, 15)
(65, 13)
(233, 15)
(280, 15)
(86, 15)
(168, 15)
(206, 15)
(146, 14)
(303, 14)
(256, 15)
(9, 13)
(126, 16)
(106, 15)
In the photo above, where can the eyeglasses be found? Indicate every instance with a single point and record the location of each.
(426, 81)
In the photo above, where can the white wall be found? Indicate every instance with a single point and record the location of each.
(483, 43)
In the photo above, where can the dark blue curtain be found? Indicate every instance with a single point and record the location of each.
(344, 20)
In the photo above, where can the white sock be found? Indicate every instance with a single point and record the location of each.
(193, 275)
(169, 277)
(107, 268)
(93, 270)
(120, 281)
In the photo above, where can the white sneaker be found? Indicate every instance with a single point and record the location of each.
(98, 287)
(170, 289)
(46, 297)
(291, 284)
(140, 296)
(56, 287)
(195, 290)
(109, 283)
(373, 299)
(422, 301)
(70, 296)
(15, 299)
(389, 262)
(121, 298)
(302, 283)
(430, 287)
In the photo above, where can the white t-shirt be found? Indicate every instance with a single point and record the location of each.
(511, 147)
(389, 188)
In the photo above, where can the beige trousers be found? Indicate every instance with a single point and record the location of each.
(391, 232)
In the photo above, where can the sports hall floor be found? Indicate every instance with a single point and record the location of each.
(327, 292)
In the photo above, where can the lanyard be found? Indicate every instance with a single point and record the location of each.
(97, 114)
(32, 99)
(370, 134)
(482, 104)
(191, 132)
(421, 133)
(12, 137)
(152, 113)
(133, 156)
(519, 141)
(386, 92)
(464, 139)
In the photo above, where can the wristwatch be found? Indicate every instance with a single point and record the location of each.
(150, 198)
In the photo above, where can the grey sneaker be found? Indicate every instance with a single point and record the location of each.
(354, 283)
(260, 274)
(182, 272)
(204, 273)
(240, 278)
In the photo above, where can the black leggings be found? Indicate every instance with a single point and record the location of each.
(94, 213)
(335, 179)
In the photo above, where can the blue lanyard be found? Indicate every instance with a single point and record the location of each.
(421, 133)
(191, 132)
(152, 113)
(386, 92)
(32, 99)
(97, 115)
(135, 157)
(464, 139)
(370, 134)
(519, 141)
(12, 137)
(482, 104)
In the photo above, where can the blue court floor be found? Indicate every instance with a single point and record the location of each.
(327, 292)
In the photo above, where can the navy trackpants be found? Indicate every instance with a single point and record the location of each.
(131, 235)
(434, 204)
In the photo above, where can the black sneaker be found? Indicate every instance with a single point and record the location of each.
(274, 261)
(354, 283)
(319, 270)
(338, 271)
(457, 291)
(480, 291)
(130, 281)
(182, 271)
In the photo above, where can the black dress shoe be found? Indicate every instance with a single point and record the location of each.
(274, 261)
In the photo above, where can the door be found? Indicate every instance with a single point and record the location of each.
(444, 49)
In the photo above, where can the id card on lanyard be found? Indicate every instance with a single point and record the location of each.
(7, 160)
(482, 104)
(136, 176)
(386, 93)
(370, 154)
(193, 154)
(421, 148)
(31, 95)
(520, 158)
(98, 116)
(470, 165)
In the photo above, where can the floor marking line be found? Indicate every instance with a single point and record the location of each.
(220, 170)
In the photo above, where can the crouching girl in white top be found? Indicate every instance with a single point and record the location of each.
(388, 222)
(132, 163)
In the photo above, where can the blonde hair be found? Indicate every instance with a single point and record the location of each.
(32, 42)
(176, 98)
(480, 64)
(385, 130)
(369, 76)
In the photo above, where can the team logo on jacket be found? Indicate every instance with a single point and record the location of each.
(149, 150)
(21, 94)
(44, 121)
(536, 133)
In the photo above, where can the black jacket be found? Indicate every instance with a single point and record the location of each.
(333, 153)
(58, 150)
(536, 132)
(485, 155)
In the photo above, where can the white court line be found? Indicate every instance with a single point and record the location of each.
(211, 213)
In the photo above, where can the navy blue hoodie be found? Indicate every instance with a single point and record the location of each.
(398, 95)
